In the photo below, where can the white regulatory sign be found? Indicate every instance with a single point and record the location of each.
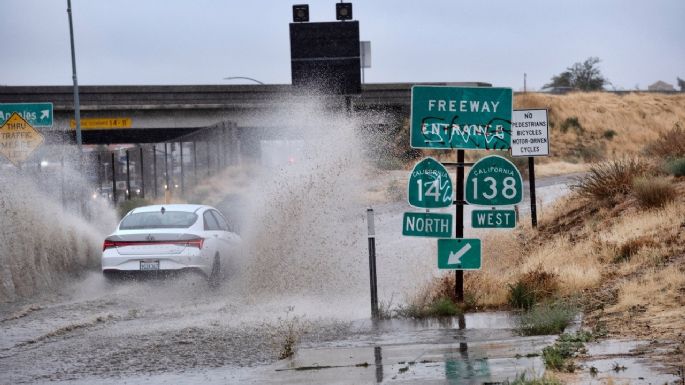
(529, 133)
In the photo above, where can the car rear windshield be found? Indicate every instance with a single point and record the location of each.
(157, 220)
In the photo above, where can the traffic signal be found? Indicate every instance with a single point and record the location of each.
(343, 11)
(300, 13)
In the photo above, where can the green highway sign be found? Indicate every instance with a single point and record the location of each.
(430, 185)
(35, 114)
(477, 118)
(427, 225)
(494, 181)
(493, 219)
(459, 254)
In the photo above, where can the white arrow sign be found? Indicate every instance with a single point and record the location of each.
(44, 114)
(455, 258)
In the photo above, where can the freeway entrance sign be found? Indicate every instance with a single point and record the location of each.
(476, 118)
(430, 185)
(18, 139)
(494, 181)
(427, 225)
(459, 254)
(493, 219)
(35, 114)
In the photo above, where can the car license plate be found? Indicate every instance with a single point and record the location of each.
(149, 265)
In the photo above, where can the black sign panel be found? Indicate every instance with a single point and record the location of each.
(325, 57)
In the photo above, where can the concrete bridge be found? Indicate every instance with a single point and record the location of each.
(153, 114)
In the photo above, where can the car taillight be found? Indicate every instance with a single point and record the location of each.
(108, 244)
(198, 242)
(195, 243)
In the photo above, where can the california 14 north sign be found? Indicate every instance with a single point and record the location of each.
(494, 181)
(430, 185)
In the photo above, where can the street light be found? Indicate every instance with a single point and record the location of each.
(243, 77)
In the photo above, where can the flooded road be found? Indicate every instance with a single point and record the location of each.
(171, 331)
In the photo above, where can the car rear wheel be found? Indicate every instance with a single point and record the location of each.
(215, 276)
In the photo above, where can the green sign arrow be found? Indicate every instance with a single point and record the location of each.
(427, 225)
(493, 219)
(459, 254)
(494, 181)
(476, 118)
(430, 185)
(36, 114)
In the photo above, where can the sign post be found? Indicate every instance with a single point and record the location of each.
(530, 137)
(460, 118)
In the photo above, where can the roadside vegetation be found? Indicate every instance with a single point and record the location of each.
(614, 249)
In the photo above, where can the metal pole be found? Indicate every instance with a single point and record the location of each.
(61, 176)
(533, 203)
(223, 145)
(77, 107)
(372, 263)
(154, 169)
(114, 182)
(194, 162)
(459, 225)
(218, 153)
(128, 178)
(180, 144)
(101, 173)
(142, 175)
(166, 169)
(208, 159)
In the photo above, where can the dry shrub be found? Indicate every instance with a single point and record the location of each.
(632, 247)
(675, 167)
(653, 192)
(669, 145)
(543, 283)
(533, 286)
(610, 180)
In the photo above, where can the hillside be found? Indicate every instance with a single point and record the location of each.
(600, 125)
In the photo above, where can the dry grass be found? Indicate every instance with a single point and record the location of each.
(657, 288)
(653, 191)
(669, 144)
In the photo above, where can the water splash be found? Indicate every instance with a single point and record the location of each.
(47, 234)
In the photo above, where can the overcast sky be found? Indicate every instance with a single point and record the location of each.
(203, 41)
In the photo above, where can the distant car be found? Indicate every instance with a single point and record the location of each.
(170, 238)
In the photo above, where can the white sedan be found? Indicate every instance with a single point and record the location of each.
(170, 238)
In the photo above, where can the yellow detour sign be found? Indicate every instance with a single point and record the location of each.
(103, 123)
(18, 139)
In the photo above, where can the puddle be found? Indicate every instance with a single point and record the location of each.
(616, 360)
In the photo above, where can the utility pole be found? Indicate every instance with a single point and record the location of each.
(77, 107)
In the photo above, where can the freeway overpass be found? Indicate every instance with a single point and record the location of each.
(155, 114)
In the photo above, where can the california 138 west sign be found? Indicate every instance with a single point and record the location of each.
(494, 181)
